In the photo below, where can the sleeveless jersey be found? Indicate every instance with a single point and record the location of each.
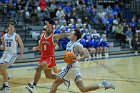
(10, 43)
(47, 46)
(71, 45)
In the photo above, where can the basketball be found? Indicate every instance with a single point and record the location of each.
(69, 57)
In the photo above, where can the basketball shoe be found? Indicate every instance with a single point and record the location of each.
(5, 88)
(30, 87)
(108, 85)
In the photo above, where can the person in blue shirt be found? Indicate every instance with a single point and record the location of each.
(104, 46)
(96, 45)
(90, 45)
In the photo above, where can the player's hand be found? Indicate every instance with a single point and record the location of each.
(21, 58)
(34, 49)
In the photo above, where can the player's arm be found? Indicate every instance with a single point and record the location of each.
(59, 36)
(2, 47)
(21, 45)
(83, 52)
(37, 48)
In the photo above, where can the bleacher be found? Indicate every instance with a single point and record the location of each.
(29, 42)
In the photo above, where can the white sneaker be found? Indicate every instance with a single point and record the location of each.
(30, 87)
(100, 56)
(106, 55)
(9, 77)
(136, 52)
(97, 56)
(108, 85)
(5, 88)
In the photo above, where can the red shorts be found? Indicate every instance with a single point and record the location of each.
(50, 60)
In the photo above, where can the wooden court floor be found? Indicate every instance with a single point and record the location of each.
(122, 71)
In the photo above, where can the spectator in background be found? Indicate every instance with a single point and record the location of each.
(53, 9)
(47, 17)
(20, 6)
(129, 36)
(34, 18)
(116, 10)
(101, 14)
(68, 9)
(60, 13)
(89, 45)
(138, 24)
(104, 46)
(119, 33)
(61, 20)
(97, 45)
(136, 44)
(108, 11)
(43, 5)
(133, 25)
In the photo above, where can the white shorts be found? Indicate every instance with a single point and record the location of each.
(71, 72)
(8, 58)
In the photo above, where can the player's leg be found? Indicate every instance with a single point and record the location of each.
(56, 70)
(49, 75)
(7, 59)
(5, 76)
(100, 52)
(83, 88)
(37, 76)
(55, 84)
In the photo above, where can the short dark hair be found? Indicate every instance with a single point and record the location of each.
(11, 23)
(78, 33)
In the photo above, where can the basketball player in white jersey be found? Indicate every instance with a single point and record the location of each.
(10, 41)
(72, 71)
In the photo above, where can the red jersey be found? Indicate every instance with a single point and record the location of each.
(47, 46)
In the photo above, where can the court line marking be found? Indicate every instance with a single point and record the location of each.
(91, 59)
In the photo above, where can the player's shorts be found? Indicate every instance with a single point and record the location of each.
(71, 72)
(50, 60)
(8, 58)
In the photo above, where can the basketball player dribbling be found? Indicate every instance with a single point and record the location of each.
(72, 71)
(47, 60)
(10, 41)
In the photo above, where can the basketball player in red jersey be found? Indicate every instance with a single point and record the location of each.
(47, 60)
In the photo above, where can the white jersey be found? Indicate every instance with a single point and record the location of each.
(71, 47)
(72, 71)
(10, 43)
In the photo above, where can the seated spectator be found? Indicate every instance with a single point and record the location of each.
(104, 46)
(129, 36)
(116, 10)
(60, 13)
(97, 45)
(136, 44)
(79, 22)
(43, 5)
(90, 45)
(61, 20)
(68, 9)
(138, 25)
(109, 11)
(20, 6)
(94, 33)
(64, 27)
(133, 25)
(119, 33)
(57, 30)
(34, 18)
